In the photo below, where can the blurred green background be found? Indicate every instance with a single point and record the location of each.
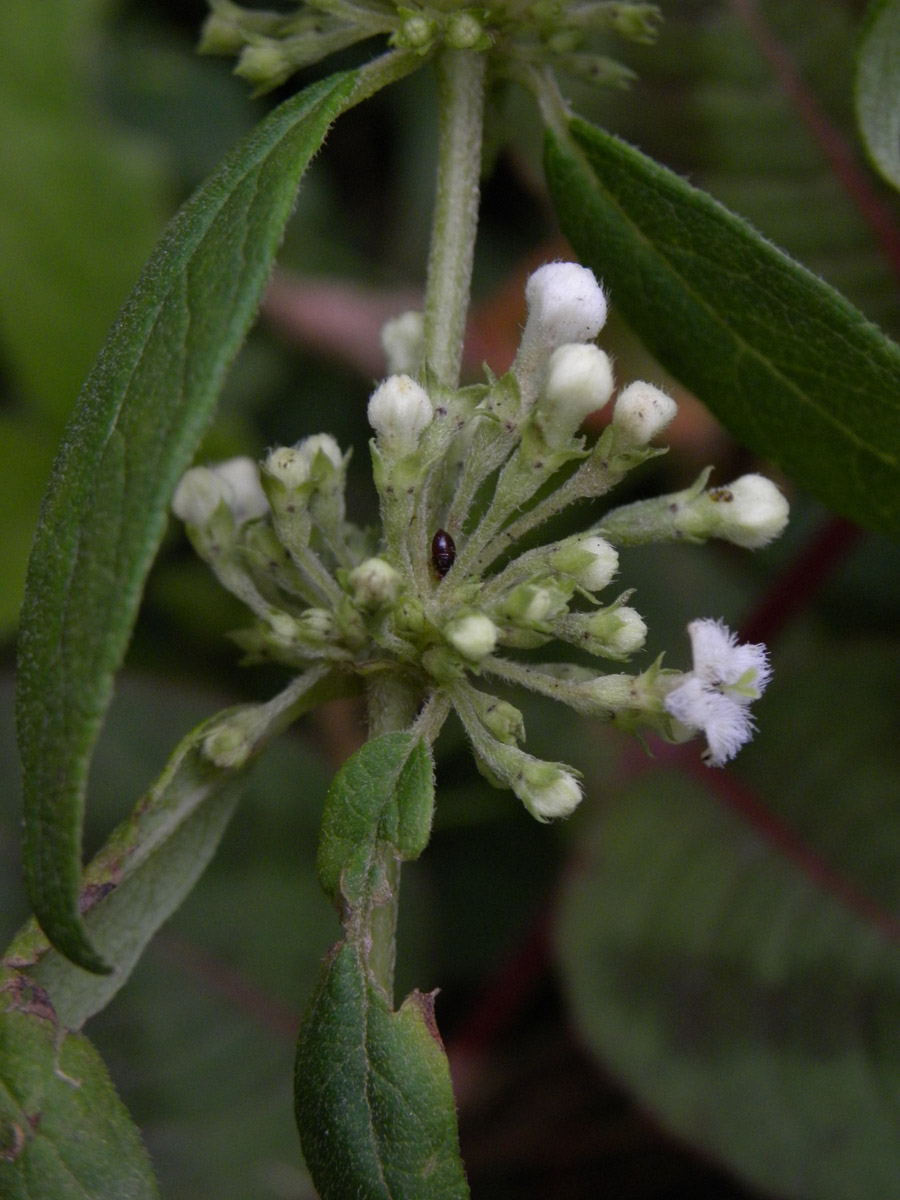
(107, 121)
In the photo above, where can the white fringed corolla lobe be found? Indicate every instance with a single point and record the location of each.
(715, 697)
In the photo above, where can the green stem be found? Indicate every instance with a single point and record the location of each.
(392, 707)
(460, 80)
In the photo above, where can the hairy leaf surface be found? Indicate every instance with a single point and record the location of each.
(374, 1101)
(153, 859)
(140, 416)
(64, 1133)
(795, 371)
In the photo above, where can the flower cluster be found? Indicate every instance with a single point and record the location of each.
(446, 596)
(519, 35)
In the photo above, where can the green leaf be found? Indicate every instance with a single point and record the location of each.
(152, 860)
(374, 1102)
(64, 1133)
(383, 794)
(141, 414)
(738, 966)
(785, 362)
(878, 87)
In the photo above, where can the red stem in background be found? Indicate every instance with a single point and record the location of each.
(790, 592)
(842, 157)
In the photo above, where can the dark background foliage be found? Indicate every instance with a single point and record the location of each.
(108, 120)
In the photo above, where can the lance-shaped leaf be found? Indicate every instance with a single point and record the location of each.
(140, 416)
(878, 87)
(64, 1133)
(374, 1101)
(153, 859)
(793, 369)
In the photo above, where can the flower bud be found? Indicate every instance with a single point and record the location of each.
(548, 791)
(403, 342)
(641, 412)
(288, 465)
(590, 560)
(750, 512)
(323, 443)
(503, 720)
(265, 64)
(565, 304)
(399, 410)
(464, 31)
(374, 584)
(474, 635)
(614, 632)
(533, 604)
(627, 631)
(416, 33)
(234, 482)
(198, 495)
(221, 34)
(579, 381)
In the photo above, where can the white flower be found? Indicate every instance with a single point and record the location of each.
(565, 304)
(715, 697)
(642, 411)
(399, 409)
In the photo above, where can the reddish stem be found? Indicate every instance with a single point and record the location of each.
(835, 146)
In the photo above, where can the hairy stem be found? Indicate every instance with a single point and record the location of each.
(392, 707)
(460, 78)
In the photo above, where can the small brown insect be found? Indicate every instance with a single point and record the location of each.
(443, 552)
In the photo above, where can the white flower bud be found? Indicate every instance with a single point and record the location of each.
(309, 447)
(531, 603)
(579, 382)
(473, 635)
(565, 304)
(403, 342)
(630, 634)
(750, 512)
(614, 632)
(374, 584)
(198, 495)
(234, 482)
(548, 791)
(288, 465)
(641, 412)
(244, 494)
(590, 560)
(399, 410)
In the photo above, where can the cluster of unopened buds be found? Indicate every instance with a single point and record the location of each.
(446, 594)
(520, 35)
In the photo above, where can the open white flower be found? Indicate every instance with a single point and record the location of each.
(715, 697)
